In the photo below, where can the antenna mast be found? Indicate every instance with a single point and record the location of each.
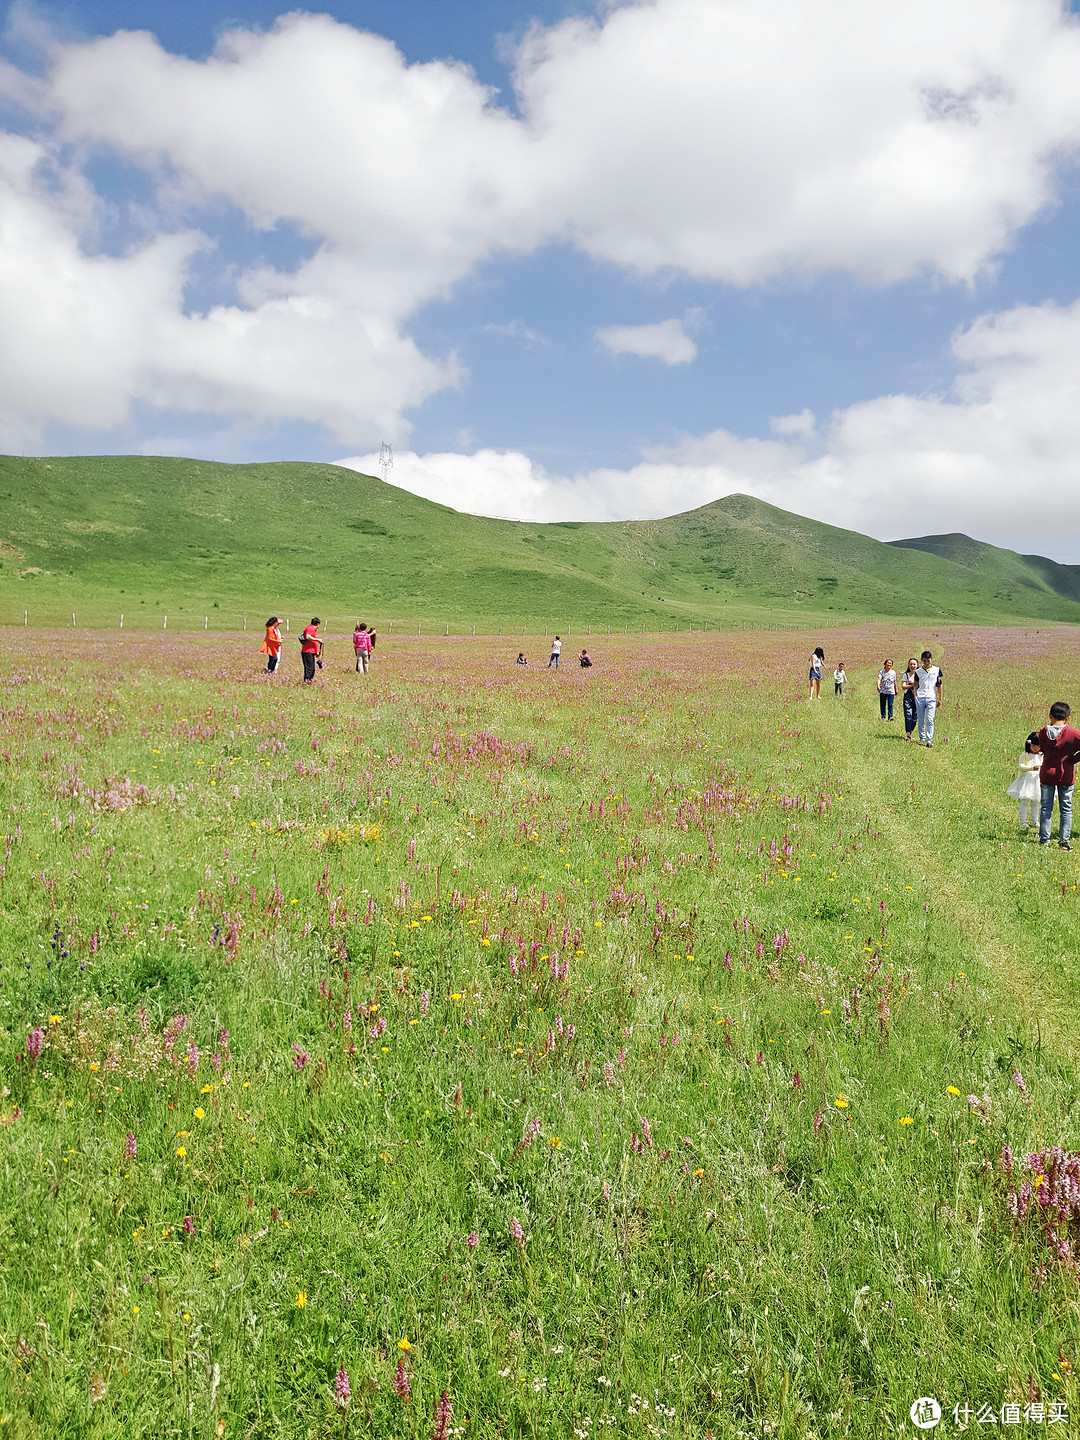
(386, 461)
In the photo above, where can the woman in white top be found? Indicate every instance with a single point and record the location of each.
(817, 665)
(886, 684)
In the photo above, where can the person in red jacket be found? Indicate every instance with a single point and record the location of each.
(310, 648)
(1060, 745)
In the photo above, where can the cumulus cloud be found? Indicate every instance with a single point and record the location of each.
(719, 139)
(87, 336)
(665, 340)
(997, 455)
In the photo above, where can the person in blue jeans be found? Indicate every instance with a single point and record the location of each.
(886, 686)
(1060, 746)
(556, 651)
(928, 678)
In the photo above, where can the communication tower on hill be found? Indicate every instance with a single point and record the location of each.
(386, 461)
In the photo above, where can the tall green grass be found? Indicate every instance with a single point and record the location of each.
(749, 1201)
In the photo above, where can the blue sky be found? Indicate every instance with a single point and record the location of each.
(571, 261)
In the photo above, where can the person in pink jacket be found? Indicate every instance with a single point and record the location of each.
(363, 643)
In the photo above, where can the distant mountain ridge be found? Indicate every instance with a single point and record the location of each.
(1064, 580)
(147, 534)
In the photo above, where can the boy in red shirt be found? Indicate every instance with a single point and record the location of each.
(1060, 745)
(310, 646)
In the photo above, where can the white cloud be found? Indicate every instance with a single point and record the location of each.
(738, 139)
(729, 140)
(666, 340)
(87, 336)
(996, 457)
(802, 424)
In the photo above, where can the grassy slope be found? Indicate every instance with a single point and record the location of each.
(145, 534)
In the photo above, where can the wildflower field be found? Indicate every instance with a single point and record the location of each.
(474, 1050)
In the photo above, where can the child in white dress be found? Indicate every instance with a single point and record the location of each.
(1025, 787)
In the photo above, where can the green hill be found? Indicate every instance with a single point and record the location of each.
(1010, 572)
(149, 536)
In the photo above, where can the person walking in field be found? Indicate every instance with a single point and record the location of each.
(928, 678)
(1060, 746)
(907, 687)
(271, 646)
(839, 676)
(362, 642)
(1025, 787)
(556, 651)
(886, 686)
(310, 648)
(817, 665)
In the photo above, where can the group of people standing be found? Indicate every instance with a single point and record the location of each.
(311, 646)
(919, 686)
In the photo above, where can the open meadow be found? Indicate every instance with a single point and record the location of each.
(474, 1050)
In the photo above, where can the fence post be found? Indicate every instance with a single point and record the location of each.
(24, 615)
(448, 627)
(121, 621)
(206, 622)
(245, 622)
(165, 623)
(73, 619)
(391, 629)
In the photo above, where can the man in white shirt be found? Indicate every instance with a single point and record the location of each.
(928, 678)
(556, 651)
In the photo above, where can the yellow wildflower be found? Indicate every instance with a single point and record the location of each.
(404, 1345)
(841, 1102)
(301, 1299)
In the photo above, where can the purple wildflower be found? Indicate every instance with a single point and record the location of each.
(1018, 1081)
(131, 1149)
(192, 1058)
(35, 1043)
(425, 1001)
(400, 1382)
(300, 1055)
(441, 1428)
(342, 1388)
(189, 1225)
(517, 1233)
(472, 1240)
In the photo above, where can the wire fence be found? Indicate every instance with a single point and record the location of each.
(185, 620)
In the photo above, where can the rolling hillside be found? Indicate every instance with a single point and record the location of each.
(149, 536)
